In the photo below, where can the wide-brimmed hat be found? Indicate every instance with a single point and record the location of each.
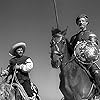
(15, 46)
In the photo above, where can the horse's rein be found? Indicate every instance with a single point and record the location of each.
(24, 94)
(13, 78)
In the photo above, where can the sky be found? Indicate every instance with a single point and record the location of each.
(31, 21)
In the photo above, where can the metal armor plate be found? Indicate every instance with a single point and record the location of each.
(86, 52)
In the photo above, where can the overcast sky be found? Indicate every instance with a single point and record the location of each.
(31, 21)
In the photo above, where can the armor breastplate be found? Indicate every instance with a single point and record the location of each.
(86, 50)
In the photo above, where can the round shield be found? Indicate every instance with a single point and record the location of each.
(86, 52)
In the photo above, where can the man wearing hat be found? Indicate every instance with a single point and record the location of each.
(23, 65)
(84, 35)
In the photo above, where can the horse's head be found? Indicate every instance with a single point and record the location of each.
(59, 48)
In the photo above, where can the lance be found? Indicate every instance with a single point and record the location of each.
(56, 14)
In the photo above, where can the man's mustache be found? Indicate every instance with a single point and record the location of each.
(80, 24)
(20, 52)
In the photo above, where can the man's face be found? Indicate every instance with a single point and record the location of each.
(82, 23)
(20, 51)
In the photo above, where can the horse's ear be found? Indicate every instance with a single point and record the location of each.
(55, 31)
(65, 31)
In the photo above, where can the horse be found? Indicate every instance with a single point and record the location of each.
(15, 91)
(5, 92)
(75, 81)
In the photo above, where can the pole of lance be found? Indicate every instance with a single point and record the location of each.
(56, 14)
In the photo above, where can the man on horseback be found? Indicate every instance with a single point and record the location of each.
(84, 35)
(23, 65)
(89, 52)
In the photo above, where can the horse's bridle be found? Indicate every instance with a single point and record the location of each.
(55, 44)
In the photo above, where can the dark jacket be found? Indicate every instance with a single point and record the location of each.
(21, 75)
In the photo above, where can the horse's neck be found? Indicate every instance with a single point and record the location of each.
(67, 52)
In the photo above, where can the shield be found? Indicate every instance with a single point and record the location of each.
(86, 52)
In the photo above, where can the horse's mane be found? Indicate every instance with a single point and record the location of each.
(69, 47)
(5, 92)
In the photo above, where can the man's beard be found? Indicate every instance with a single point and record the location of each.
(82, 26)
